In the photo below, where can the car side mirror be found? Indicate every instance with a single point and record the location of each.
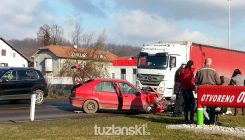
(4, 79)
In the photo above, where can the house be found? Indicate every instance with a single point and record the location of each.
(125, 69)
(11, 57)
(52, 60)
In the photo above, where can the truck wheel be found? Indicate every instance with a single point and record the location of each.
(90, 106)
(39, 96)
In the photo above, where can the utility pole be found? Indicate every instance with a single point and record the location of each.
(229, 24)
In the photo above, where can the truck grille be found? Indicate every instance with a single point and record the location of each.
(151, 80)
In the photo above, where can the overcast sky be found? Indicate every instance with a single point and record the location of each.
(133, 22)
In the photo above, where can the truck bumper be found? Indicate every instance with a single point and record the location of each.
(162, 89)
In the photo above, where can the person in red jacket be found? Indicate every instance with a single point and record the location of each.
(187, 85)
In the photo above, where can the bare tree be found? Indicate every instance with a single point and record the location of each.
(87, 39)
(77, 35)
(93, 60)
(44, 35)
(56, 34)
(50, 35)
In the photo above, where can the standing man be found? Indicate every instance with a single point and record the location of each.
(179, 101)
(187, 85)
(208, 76)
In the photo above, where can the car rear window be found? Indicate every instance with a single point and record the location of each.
(31, 74)
(28, 74)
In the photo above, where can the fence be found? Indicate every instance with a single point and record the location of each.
(59, 85)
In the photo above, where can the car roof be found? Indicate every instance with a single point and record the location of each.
(16, 68)
(110, 80)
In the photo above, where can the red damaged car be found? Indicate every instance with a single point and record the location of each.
(115, 94)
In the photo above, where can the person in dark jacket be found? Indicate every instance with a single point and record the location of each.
(179, 101)
(208, 76)
(187, 85)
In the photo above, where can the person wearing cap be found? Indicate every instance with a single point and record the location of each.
(208, 76)
(187, 85)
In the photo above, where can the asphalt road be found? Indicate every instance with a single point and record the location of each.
(51, 110)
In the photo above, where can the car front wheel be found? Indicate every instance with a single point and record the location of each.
(90, 106)
(39, 96)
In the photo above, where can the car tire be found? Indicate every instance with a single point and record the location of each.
(39, 96)
(90, 106)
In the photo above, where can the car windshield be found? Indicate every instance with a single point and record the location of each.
(156, 61)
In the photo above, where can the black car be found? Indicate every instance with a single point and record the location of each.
(20, 83)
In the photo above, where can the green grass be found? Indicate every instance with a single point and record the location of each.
(84, 128)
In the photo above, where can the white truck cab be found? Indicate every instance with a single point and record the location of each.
(158, 63)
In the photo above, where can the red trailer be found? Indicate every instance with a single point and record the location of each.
(224, 60)
(159, 62)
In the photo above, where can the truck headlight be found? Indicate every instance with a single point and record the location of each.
(161, 89)
(139, 76)
(160, 77)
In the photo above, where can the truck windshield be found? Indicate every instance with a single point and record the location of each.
(156, 61)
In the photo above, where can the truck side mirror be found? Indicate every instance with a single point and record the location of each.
(172, 65)
(172, 62)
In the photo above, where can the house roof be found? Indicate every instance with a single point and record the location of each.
(28, 59)
(67, 52)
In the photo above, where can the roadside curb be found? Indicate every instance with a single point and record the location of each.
(211, 129)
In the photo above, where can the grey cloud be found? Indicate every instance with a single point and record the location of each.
(17, 22)
(185, 9)
(86, 6)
